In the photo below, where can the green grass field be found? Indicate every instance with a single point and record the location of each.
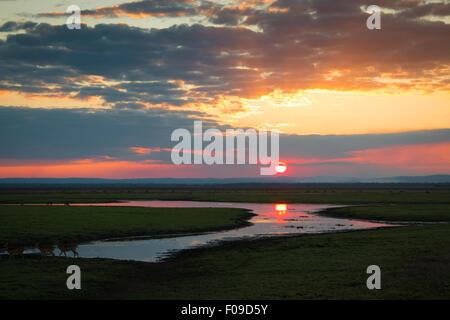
(26, 225)
(414, 262)
(414, 259)
(312, 194)
(395, 212)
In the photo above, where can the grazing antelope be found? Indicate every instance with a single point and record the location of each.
(14, 251)
(45, 250)
(66, 247)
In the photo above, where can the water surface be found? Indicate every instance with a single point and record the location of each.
(270, 220)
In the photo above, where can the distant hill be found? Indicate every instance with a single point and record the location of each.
(440, 178)
(201, 181)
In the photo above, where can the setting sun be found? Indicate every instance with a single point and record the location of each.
(281, 168)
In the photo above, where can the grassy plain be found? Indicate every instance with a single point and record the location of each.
(26, 225)
(414, 259)
(327, 193)
(395, 212)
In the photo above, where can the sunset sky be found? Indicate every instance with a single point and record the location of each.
(102, 101)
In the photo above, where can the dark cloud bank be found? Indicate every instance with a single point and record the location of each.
(77, 133)
(294, 49)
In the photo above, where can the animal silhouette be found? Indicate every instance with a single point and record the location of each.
(45, 249)
(66, 247)
(14, 250)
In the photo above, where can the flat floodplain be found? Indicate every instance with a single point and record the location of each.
(25, 225)
(265, 193)
(414, 258)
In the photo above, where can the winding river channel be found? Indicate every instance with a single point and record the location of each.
(269, 220)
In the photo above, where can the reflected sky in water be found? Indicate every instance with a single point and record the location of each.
(271, 219)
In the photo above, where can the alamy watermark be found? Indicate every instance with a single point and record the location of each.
(374, 21)
(74, 20)
(74, 280)
(374, 280)
(190, 149)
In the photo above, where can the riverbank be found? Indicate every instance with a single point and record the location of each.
(415, 213)
(26, 225)
(414, 262)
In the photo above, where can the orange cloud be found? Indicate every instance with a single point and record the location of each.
(92, 168)
(397, 160)
(140, 150)
(415, 159)
(84, 168)
(421, 156)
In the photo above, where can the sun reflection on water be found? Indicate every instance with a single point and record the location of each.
(281, 208)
